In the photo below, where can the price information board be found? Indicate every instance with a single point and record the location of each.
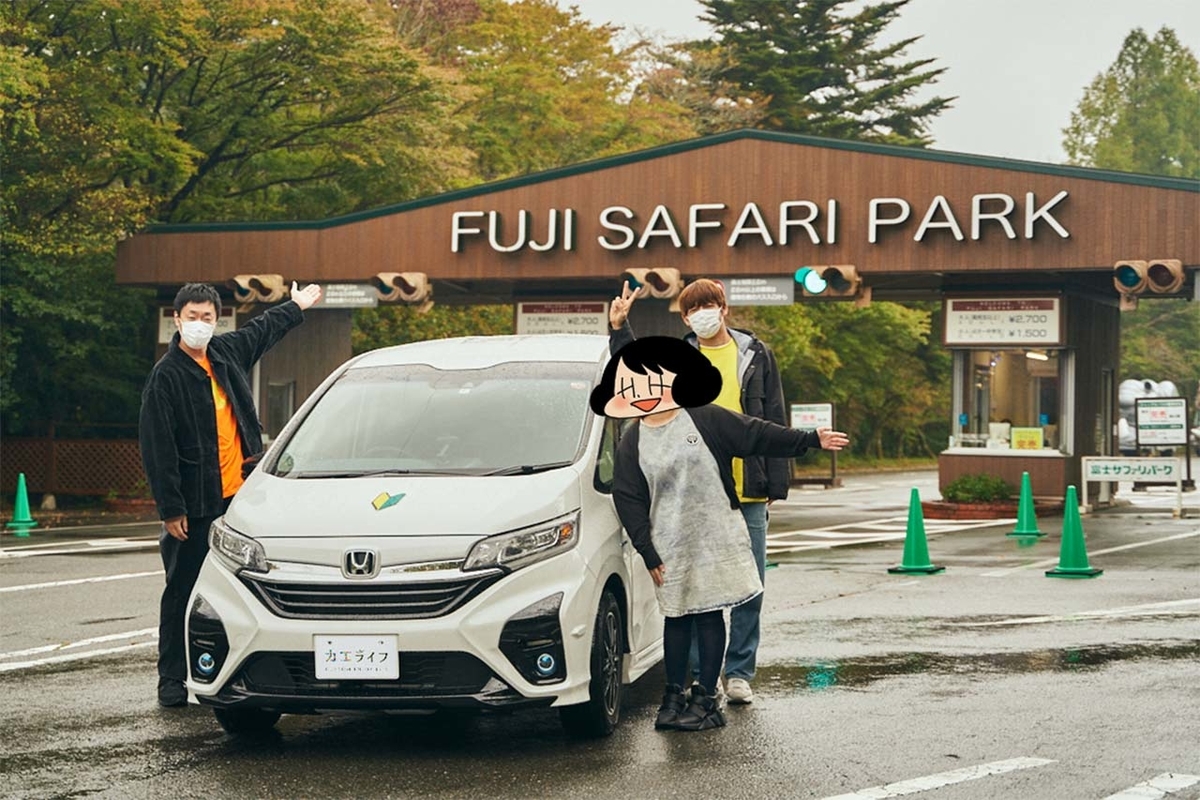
(1003, 322)
(810, 416)
(562, 318)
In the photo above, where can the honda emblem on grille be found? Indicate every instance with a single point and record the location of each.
(360, 564)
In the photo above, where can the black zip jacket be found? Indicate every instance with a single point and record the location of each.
(177, 429)
(726, 434)
(762, 397)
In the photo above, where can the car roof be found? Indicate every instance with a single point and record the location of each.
(476, 352)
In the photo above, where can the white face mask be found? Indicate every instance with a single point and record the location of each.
(196, 333)
(706, 322)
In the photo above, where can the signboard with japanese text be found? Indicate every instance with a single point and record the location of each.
(1167, 470)
(347, 295)
(1025, 438)
(772, 291)
(166, 323)
(1003, 322)
(810, 416)
(562, 318)
(1161, 422)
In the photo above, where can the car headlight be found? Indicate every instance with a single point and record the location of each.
(236, 550)
(523, 547)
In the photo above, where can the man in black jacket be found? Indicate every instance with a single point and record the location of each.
(751, 386)
(197, 425)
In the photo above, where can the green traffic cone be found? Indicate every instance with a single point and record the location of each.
(1072, 558)
(916, 552)
(1026, 518)
(21, 521)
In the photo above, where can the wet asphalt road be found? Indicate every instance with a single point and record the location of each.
(865, 679)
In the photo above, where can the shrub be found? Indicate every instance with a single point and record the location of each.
(977, 489)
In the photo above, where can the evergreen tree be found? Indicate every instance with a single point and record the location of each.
(823, 70)
(1142, 115)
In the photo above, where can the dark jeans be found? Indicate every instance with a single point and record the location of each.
(182, 562)
(710, 639)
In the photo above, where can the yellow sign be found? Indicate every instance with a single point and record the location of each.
(1026, 439)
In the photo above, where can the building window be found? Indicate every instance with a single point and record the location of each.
(281, 404)
(1010, 399)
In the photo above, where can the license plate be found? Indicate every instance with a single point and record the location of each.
(356, 658)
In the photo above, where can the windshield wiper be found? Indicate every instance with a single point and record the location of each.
(374, 473)
(529, 469)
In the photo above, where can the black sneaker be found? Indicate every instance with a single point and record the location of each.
(171, 693)
(673, 702)
(702, 713)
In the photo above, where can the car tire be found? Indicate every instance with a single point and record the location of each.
(600, 714)
(246, 721)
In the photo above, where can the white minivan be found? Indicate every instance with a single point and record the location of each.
(433, 529)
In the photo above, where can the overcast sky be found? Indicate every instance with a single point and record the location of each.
(1017, 67)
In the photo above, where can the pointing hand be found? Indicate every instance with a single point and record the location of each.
(306, 297)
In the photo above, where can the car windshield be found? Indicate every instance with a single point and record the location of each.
(511, 418)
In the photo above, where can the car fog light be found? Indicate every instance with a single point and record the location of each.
(206, 663)
(546, 664)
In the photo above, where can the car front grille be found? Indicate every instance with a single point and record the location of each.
(422, 674)
(367, 600)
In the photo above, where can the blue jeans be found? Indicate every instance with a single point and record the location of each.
(742, 650)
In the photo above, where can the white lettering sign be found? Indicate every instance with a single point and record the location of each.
(622, 227)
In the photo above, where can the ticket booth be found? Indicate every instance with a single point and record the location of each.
(1019, 361)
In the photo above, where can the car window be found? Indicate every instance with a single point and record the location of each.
(415, 418)
(606, 459)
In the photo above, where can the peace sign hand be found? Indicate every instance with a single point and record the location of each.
(618, 311)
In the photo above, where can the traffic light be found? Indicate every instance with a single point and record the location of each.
(413, 288)
(834, 280)
(258, 288)
(1165, 275)
(664, 283)
(1129, 277)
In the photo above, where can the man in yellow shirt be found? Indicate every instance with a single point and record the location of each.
(197, 425)
(750, 385)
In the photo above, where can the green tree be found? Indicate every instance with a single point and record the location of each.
(688, 75)
(388, 325)
(889, 380)
(1142, 114)
(116, 114)
(823, 71)
(549, 89)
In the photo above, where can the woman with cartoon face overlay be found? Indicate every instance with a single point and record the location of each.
(674, 491)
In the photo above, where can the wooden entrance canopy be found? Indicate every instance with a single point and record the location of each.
(745, 203)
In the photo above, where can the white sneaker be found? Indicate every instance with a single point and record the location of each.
(738, 691)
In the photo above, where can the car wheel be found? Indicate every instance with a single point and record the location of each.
(246, 721)
(601, 713)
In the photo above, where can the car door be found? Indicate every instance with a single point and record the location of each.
(645, 622)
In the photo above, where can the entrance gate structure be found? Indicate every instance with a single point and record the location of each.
(1022, 255)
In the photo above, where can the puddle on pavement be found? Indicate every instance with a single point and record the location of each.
(859, 672)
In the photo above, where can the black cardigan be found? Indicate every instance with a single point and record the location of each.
(762, 397)
(727, 435)
(177, 429)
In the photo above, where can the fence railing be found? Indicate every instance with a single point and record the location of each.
(72, 466)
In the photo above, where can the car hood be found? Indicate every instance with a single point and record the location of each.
(269, 507)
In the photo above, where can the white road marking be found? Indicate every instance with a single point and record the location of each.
(941, 779)
(1050, 562)
(1146, 610)
(1158, 786)
(75, 548)
(41, 662)
(888, 529)
(54, 648)
(76, 581)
